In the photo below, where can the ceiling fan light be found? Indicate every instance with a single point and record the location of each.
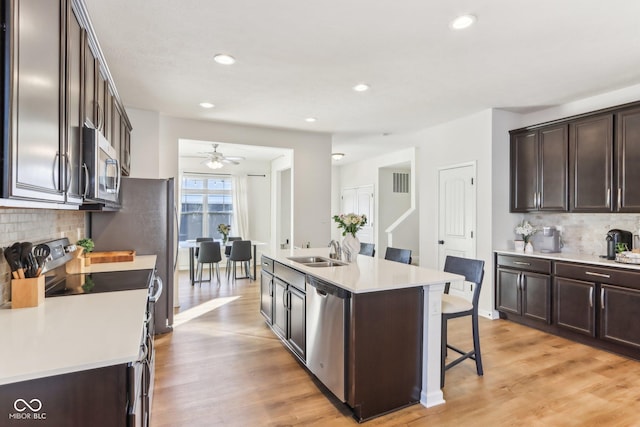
(214, 164)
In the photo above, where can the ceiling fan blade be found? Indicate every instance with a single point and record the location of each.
(229, 161)
(234, 158)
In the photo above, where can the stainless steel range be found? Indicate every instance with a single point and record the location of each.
(59, 283)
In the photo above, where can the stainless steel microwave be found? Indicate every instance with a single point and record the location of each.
(101, 168)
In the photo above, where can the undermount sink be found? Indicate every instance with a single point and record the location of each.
(317, 261)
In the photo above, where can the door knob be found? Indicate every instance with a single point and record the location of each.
(441, 242)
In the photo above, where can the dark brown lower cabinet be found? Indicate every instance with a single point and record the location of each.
(266, 296)
(523, 288)
(574, 308)
(97, 397)
(384, 356)
(620, 314)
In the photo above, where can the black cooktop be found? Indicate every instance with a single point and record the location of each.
(93, 283)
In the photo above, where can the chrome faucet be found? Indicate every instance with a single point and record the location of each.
(336, 251)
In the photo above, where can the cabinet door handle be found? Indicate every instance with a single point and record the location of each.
(602, 298)
(521, 263)
(590, 297)
(539, 200)
(535, 199)
(619, 197)
(523, 282)
(591, 273)
(608, 204)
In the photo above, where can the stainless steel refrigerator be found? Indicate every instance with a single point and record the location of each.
(147, 223)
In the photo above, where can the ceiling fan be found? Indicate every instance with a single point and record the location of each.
(216, 160)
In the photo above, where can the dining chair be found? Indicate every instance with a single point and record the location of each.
(209, 254)
(368, 249)
(196, 251)
(240, 252)
(399, 255)
(227, 248)
(454, 306)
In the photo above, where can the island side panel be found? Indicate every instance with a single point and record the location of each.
(431, 350)
(384, 360)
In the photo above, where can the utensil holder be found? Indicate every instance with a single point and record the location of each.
(27, 292)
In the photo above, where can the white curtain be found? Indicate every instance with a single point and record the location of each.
(240, 226)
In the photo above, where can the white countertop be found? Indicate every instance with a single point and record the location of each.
(571, 257)
(74, 333)
(367, 274)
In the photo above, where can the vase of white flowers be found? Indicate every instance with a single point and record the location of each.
(350, 225)
(224, 230)
(526, 230)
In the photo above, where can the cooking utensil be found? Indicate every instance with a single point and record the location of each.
(41, 252)
(25, 259)
(16, 259)
(8, 255)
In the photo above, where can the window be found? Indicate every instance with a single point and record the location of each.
(207, 200)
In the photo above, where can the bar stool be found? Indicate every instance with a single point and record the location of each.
(368, 249)
(399, 255)
(453, 306)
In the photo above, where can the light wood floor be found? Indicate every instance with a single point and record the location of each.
(226, 368)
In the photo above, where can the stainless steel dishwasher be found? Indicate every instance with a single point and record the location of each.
(327, 313)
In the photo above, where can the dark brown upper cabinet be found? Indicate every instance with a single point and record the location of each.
(33, 140)
(89, 83)
(74, 112)
(628, 160)
(591, 164)
(539, 160)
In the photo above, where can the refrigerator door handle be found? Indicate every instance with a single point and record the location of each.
(177, 221)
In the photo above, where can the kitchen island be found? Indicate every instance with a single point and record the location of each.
(391, 331)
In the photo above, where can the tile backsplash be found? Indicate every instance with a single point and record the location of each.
(585, 233)
(35, 225)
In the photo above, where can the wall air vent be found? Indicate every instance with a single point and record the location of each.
(400, 182)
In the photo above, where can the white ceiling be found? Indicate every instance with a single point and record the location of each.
(297, 59)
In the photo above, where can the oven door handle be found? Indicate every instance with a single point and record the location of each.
(156, 295)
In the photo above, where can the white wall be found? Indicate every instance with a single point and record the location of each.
(365, 172)
(311, 172)
(145, 137)
(391, 207)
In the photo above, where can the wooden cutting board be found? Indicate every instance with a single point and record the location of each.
(112, 256)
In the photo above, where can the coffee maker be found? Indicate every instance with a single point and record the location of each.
(616, 238)
(549, 241)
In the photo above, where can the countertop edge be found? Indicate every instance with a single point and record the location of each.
(571, 257)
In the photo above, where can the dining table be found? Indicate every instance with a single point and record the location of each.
(191, 244)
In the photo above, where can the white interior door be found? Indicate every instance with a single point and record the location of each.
(457, 217)
(360, 200)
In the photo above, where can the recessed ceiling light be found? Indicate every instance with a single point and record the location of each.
(224, 59)
(206, 105)
(361, 87)
(310, 119)
(337, 156)
(462, 22)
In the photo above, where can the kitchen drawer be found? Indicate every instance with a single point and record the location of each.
(267, 264)
(291, 276)
(591, 273)
(537, 265)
